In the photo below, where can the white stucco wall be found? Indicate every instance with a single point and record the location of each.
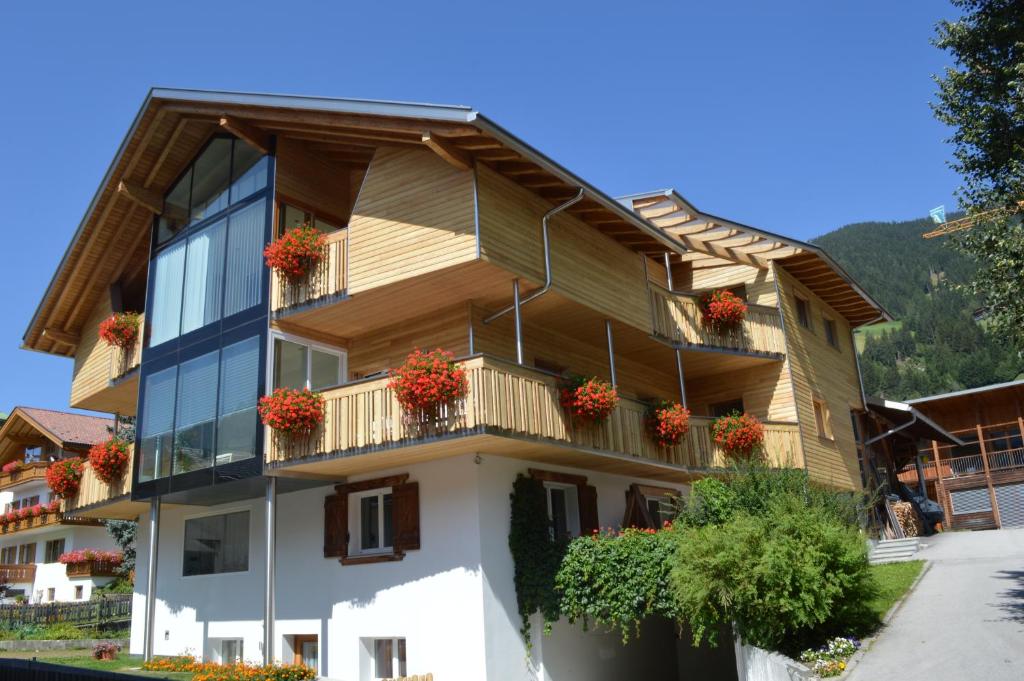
(54, 575)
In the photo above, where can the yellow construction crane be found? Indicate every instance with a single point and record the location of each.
(969, 221)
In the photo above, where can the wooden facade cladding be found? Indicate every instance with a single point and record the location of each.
(823, 373)
(587, 266)
(516, 406)
(32, 472)
(414, 214)
(102, 378)
(677, 318)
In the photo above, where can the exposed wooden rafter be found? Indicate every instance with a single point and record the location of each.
(61, 336)
(447, 151)
(147, 198)
(246, 132)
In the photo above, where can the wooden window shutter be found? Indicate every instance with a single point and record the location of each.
(588, 509)
(637, 513)
(336, 525)
(405, 509)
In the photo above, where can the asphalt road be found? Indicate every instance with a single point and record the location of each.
(965, 619)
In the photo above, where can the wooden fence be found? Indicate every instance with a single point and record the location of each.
(114, 608)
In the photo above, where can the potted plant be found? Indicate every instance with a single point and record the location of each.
(669, 423)
(64, 477)
(121, 329)
(428, 381)
(722, 310)
(109, 459)
(590, 400)
(292, 414)
(105, 650)
(739, 435)
(296, 253)
(53, 506)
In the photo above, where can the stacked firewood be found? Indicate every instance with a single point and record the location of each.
(908, 519)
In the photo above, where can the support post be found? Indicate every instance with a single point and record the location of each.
(682, 381)
(668, 270)
(611, 352)
(518, 321)
(268, 602)
(154, 545)
(940, 488)
(988, 477)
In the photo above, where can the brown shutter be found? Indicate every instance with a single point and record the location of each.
(588, 509)
(405, 510)
(637, 513)
(335, 526)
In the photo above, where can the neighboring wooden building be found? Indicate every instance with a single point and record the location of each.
(435, 220)
(980, 484)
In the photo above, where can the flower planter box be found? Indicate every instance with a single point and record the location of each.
(47, 518)
(92, 568)
(27, 473)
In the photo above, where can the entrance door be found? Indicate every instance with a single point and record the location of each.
(1010, 499)
(306, 651)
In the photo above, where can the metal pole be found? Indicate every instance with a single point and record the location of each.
(682, 383)
(518, 321)
(668, 270)
(268, 603)
(154, 544)
(611, 352)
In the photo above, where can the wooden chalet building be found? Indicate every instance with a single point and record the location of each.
(379, 548)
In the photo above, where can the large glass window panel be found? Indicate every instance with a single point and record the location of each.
(204, 276)
(248, 171)
(157, 423)
(196, 413)
(165, 314)
(216, 544)
(210, 178)
(237, 425)
(289, 364)
(244, 274)
(175, 215)
(325, 369)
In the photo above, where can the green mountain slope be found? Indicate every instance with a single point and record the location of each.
(937, 346)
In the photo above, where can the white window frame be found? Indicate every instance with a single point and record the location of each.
(355, 526)
(241, 650)
(341, 353)
(572, 506)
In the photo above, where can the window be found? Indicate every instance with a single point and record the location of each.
(9, 555)
(372, 522)
(563, 509)
(54, 549)
(27, 554)
(216, 544)
(79, 592)
(726, 408)
(388, 657)
(51, 594)
(203, 411)
(292, 216)
(306, 649)
(231, 650)
(822, 419)
(831, 335)
(662, 509)
(301, 364)
(803, 312)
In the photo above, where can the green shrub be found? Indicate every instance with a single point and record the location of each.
(617, 579)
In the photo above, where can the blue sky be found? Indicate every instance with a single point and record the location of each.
(797, 117)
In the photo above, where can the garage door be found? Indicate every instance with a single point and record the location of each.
(971, 501)
(1010, 499)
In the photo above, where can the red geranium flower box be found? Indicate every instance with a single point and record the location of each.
(64, 477)
(669, 424)
(109, 459)
(428, 380)
(589, 399)
(739, 435)
(296, 253)
(121, 329)
(292, 412)
(722, 310)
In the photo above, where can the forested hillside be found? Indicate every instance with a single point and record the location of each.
(937, 346)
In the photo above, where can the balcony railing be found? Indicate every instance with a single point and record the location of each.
(677, 318)
(964, 466)
(124, 360)
(506, 399)
(92, 490)
(18, 574)
(45, 519)
(29, 472)
(92, 568)
(327, 279)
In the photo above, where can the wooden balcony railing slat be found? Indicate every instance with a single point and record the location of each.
(678, 318)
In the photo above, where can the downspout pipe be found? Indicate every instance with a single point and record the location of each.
(547, 258)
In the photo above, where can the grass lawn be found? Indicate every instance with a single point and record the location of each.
(893, 580)
(125, 664)
(860, 336)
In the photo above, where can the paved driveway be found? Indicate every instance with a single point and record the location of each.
(964, 621)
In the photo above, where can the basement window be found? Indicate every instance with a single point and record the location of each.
(386, 658)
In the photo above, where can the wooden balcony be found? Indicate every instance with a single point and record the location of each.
(509, 411)
(965, 466)
(92, 568)
(29, 472)
(677, 318)
(97, 499)
(125, 360)
(327, 280)
(18, 574)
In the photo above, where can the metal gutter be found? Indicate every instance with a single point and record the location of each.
(968, 391)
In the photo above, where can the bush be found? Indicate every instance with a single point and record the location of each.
(239, 671)
(616, 579)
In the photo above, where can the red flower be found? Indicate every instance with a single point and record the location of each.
(722, 309)
(64, 476)
(739, 435)
(90, 555)
(589, 399)
(109, 459)
(428, 380)
(121, 329)
(295, 253)
(669, 423)
(294, 412)
(11, 466)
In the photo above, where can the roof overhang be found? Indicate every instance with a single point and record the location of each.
(908, 421)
